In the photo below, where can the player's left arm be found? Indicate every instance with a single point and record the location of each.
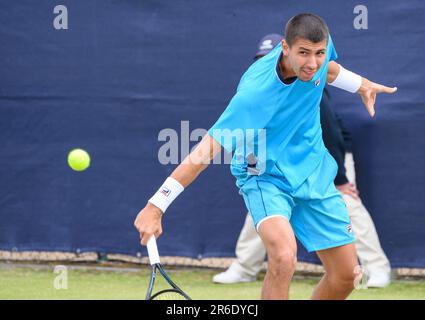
(339, 77)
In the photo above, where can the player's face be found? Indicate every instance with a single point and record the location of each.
(305, 57)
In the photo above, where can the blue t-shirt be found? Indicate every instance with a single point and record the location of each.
(279, 123)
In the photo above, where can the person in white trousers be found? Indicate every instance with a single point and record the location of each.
(250, 251)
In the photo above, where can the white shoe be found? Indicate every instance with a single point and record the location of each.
(231, 276)
(379, 280)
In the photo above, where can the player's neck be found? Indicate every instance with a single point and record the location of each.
(285, 69)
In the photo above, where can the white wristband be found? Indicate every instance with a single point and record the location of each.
(347, 80)
(166, 194)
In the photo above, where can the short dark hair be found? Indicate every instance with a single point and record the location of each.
(306, 26)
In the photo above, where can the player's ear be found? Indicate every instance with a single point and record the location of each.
(285, 47)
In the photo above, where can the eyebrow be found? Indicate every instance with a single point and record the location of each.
(305, 49)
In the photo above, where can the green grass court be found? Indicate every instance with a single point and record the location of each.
(30, 283)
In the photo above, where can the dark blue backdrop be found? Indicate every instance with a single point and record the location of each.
(124, 70)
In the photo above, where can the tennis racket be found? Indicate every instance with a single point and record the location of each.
(173, 293)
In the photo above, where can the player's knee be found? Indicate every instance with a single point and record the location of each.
(344, 278)
(282, 262)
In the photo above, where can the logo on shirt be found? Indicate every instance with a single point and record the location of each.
(317, 82)
(349, 229)
(165, 191)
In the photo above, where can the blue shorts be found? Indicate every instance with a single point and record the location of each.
(315, 210)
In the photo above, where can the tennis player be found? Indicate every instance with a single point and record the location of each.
(289, 189)
(250, 251)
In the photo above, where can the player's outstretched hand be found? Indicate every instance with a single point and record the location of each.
(368, 91)
(148, 222)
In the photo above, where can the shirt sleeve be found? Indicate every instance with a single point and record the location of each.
(241, 121)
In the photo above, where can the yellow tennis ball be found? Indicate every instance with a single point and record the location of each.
(78, 160)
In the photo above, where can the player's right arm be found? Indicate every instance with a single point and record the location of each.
(148, 221)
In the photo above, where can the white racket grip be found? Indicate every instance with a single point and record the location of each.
(153, 251)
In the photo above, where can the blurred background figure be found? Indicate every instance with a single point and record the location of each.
(250, 251)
